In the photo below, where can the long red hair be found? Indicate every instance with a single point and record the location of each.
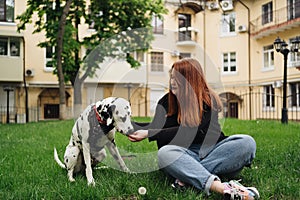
(193, 93)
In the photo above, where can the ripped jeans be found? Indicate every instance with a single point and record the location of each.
(228, 157)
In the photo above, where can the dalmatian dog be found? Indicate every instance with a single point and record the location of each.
(93, 130)
(73, 160)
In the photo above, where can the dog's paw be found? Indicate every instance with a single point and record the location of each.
(91, 183)
(125, 169)
(71, 179)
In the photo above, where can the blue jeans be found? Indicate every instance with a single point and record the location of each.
(228, 157)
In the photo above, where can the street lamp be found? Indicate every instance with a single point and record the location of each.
(282, 47)
(7, 89)
(129, 86)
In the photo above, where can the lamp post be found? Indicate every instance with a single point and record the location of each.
(7, 89)
(129, 86)
(282, 47)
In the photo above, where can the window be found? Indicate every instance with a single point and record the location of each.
(228, 23)
(7, 10)
(268, 56)
(14, 47)
(267, 13)
(294, 57)
(51, 9)
(269, 97)
(295, 94)
(184, 55)
(9, 46)
(157, 25)
(91, 22)
(139, 56)
(51, 111)
(184, 22)
(157, 62)
(3, 46)
(229, 62)
(49, 53)
(293, 9)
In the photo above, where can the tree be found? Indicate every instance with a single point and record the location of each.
(59, 51)
(56, 19)
(120, 27)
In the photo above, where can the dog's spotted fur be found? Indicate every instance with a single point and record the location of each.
(93, 130)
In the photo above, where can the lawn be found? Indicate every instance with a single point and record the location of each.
(28, 170)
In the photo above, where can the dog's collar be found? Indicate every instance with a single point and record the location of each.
(100, 120)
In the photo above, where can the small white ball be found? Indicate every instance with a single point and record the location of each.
(142, 190)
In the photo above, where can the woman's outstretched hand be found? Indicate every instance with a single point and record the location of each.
(138, 135)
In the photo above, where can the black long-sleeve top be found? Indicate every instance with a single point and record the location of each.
(166, 130)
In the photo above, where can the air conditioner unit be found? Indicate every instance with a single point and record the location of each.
(277, 84)
(212, 6)
(242, 28)
(29, 72)
(175, 53)
(226, 5)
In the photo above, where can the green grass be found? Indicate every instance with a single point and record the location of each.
(28, 170)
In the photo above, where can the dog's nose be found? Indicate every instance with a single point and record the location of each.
(130, 131)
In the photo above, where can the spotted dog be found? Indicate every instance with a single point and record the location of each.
(92, 131)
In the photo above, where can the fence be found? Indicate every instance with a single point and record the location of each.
(255, 106)
(18, 115)
(251, 106)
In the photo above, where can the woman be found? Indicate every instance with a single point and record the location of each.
(192, 147)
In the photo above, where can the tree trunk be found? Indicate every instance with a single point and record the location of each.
(77, 82)
(77, 97)
(61, 79)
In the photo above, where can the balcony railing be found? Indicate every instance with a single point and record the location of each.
(278, 20)
(187, 36)
(293, 63)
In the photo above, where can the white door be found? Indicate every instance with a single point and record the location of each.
(155, 95)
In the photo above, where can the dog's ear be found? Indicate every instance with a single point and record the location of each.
(110, 111)
(99, 106)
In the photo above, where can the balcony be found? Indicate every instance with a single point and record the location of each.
(277, 21)
(294, 63)
(187, 36)
(11, 59)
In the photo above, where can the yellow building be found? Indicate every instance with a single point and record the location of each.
(23, 63)
(233, 40)
(239, 38)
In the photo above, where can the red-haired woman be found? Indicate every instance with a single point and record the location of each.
(192, 147)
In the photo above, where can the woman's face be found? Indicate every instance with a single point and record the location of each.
(174, 82)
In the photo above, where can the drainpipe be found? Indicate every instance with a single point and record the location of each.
(249, 60)
(24, 82)
(204, 40)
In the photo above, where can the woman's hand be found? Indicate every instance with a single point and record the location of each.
(138, 135)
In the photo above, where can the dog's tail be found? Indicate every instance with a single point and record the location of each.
(58, 160)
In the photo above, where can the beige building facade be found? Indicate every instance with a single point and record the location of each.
(233, 40)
